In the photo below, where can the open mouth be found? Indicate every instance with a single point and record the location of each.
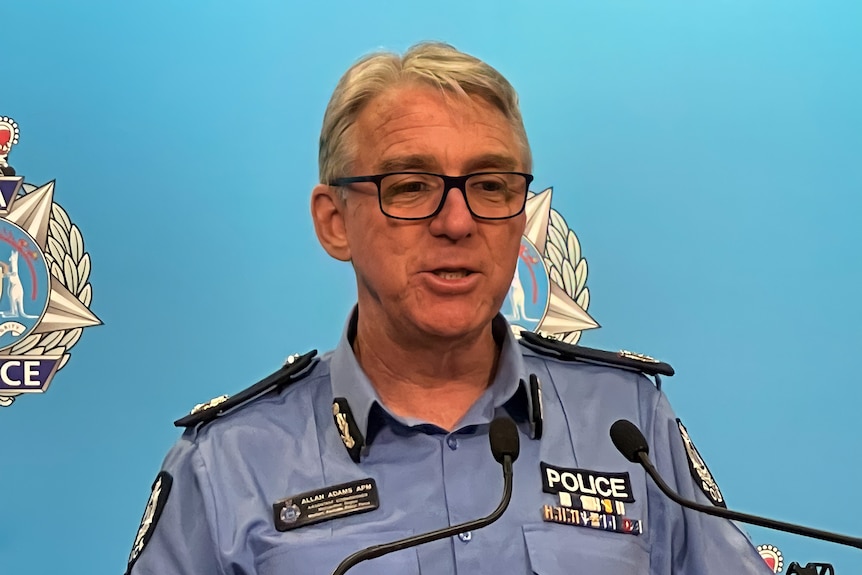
(452, 274)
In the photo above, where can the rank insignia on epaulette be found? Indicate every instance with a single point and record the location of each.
(637, 356)
(570, 352)
(294, 368)
(209, 404)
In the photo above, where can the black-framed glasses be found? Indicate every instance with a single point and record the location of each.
(420, 195)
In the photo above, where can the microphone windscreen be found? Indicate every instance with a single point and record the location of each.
(504, 439)
(628, 439)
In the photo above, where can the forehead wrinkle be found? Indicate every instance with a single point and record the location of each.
(387, 129)
(392, 118)
(503, 158)
(390, 110)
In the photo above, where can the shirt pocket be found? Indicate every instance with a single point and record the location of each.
(564, 549)
(322, 556)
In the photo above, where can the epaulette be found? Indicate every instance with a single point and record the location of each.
(294, 369)
(569, 352)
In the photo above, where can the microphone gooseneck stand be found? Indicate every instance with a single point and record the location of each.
(629, 440)
(505, 446)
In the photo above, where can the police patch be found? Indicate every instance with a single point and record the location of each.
(156, 503)
(579, 482)
(700, 471)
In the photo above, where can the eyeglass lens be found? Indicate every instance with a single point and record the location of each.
(490, 195)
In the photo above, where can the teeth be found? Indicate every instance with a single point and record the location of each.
(451, 275)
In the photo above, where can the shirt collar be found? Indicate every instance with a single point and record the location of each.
(509, 388)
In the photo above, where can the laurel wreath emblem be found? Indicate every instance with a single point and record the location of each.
(566, 267)
(68, 264)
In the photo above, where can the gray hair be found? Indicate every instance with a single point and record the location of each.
(432, 63)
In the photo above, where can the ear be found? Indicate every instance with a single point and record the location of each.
(327, 212)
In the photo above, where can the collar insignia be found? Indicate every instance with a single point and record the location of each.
(537, 413)
(350, 434)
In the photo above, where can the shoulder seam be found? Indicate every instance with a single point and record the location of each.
(211, 527)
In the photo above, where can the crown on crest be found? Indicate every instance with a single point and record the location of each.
(8, 135)
(8, 138)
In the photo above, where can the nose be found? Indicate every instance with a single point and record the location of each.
(454, 219)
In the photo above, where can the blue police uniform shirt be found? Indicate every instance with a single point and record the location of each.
(224, 477)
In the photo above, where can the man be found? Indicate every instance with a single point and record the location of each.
(424, 164)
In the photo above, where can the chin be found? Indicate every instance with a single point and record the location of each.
(453, 321)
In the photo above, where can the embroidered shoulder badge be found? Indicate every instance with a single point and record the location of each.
(156, 503)
(700, 471)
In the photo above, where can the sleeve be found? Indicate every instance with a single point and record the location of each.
(177, 532)
(698, 542)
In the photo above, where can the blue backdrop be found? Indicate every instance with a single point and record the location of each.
(706, 155)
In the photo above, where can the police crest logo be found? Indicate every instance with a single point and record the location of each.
(44, 280)
(548, 294)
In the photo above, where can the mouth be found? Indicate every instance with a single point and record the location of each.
(452, 274)
(452, 281)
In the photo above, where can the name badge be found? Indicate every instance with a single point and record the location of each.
(324, 504)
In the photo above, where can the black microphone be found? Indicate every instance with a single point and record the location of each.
(629, 440)
(505, 446)
(811, 569)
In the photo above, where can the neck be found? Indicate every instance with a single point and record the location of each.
(431, 379)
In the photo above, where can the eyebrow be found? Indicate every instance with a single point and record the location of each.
(413, 162)
(429, 163)
(492, 162)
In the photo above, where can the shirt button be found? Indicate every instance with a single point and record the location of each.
(465, 537)
(452, 442)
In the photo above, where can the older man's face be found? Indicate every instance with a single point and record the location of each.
(446, 276)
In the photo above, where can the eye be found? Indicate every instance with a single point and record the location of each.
(401, 185)
(489, 184)
(408, 186)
